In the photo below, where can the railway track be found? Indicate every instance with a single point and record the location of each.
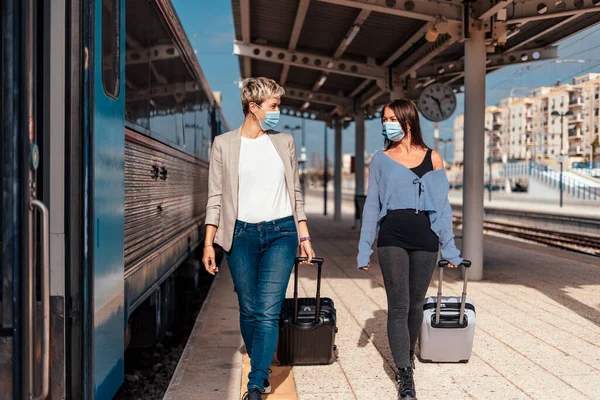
(561, 240)
(580, 243)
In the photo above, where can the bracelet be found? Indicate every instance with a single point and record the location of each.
(304, 239)
(208, 245)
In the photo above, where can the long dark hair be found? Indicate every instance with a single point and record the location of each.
(407, 114)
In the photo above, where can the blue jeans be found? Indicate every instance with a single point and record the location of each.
(261, 261)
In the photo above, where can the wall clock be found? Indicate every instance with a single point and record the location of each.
(437, 102)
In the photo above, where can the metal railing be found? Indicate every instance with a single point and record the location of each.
(591, 172)
(542, 173)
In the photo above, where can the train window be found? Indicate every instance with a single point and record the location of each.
(111, 49)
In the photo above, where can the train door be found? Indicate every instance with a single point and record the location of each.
(11, 236)
(105, 298)
(24, 250)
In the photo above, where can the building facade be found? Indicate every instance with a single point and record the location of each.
(526, 129)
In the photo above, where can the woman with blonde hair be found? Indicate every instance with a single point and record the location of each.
(255, 212)
(408, 200)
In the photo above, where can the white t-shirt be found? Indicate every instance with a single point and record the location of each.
(263, 194)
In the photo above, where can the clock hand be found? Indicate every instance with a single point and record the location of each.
(438, 104)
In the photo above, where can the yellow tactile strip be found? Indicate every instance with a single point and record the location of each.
(281, 379)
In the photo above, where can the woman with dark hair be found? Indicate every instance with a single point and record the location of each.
(408, 200)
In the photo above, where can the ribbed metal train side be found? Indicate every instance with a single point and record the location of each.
(165, 201)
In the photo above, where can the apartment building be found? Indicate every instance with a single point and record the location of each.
(525, 129)
(587, 101)
(459, 139)
(495, 122)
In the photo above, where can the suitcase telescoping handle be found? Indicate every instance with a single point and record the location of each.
(319, 262)
(443, 264)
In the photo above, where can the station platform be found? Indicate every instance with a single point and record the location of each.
(537, 333)
(530, 203)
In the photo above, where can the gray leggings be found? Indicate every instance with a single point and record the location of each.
(406, 274)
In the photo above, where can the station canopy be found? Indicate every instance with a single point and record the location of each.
(335, 57)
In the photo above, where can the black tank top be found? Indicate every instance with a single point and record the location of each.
(405, 228)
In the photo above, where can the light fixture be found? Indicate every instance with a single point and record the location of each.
(429, 82)
(330, 64)
(321, 81)
(512, 33)
(432, 33)
(352, 34)
(569, 61)
(305, 105)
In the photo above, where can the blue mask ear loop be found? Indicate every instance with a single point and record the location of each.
(258, 119)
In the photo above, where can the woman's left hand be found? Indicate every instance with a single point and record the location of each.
(452, 266)
(307, 251)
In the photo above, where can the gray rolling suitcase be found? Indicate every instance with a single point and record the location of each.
(448, 325)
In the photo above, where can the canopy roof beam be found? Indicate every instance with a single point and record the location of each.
(134, 44)
(420, 58)
(533, 11)
(415, 9)
(494, 9)
(544, 32)
(245, 12)
(452, 68)
(295, 36)
(407, 45)
(317, 97)
(301, 113)
(156, 53)
(173, 89)
(348, 38)
(309, 60)
(370, 96)
(360, 88)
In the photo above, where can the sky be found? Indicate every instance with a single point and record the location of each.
(209, 26)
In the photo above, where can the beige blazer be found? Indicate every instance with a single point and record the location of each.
(223, 182)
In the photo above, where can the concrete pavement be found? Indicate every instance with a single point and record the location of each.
(537, 334)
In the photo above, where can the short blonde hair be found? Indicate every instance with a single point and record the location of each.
(258, 90)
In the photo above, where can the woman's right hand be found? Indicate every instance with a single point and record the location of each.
(208, 259)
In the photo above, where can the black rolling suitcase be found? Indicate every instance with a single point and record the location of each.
(307, 326)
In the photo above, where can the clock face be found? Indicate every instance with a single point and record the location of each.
(437, 102)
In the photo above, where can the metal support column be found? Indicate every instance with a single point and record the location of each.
(474, 150)
(337, 173)
(436, 137)
(325, 173)
(359, 160)
(303, 159)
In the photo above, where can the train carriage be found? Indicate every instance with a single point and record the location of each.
(107, 121)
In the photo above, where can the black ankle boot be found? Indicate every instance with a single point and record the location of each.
(406, 384)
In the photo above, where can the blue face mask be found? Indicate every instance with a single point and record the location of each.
(270, 121)
(392, 131)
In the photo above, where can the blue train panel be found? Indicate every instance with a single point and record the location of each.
(108, 192)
